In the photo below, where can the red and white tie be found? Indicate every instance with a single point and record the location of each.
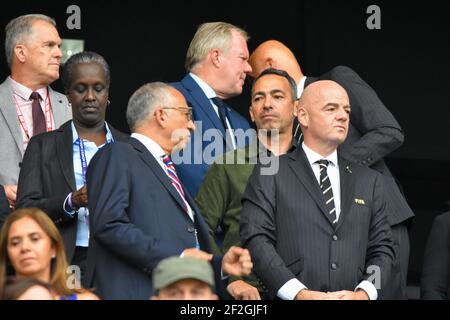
(171, 172)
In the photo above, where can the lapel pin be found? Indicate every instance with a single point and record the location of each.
(360, 201)
(348, 169)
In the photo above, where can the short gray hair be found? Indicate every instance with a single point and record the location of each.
(18, 29)
(83, 57)
(144, 101)
(210, 35)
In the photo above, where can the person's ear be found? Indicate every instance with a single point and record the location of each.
(20, 51)
(215, 57)
(161, 117)
(295, 108)
(303, 117)
(250, 111)
(269, 63)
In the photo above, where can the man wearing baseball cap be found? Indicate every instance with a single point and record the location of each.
(183, 278)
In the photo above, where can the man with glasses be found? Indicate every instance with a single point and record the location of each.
(141, 212)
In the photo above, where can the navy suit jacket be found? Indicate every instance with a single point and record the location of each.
(192, 172)
(137, 218)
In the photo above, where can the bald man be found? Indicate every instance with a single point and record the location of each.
(317, 229)
(373, 134)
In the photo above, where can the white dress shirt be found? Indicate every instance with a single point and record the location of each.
(301, 87)
(291, 288)
(210, 93)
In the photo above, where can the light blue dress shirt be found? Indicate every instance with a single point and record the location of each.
(90, 148)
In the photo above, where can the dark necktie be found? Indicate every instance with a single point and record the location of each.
(327, 191)
(38, 115)
(222, 112)
(223, 116)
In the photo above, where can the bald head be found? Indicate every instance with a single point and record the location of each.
(320, 91)
(274, 54)
(323, 114)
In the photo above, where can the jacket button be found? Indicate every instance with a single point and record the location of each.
(191, 229)
(333, 266)
(335, 238)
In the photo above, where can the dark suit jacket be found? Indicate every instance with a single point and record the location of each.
(373, 134)
(47, 177)
(136, 220)
(4, 206)
(435, 282)
(285, 226)
(192, 173)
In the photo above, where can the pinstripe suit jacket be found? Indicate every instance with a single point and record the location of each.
(373, 134)
(289, 234)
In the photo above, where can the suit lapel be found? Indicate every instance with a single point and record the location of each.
(205, 105)
(58, 106)
(347, 182)
(148, 159)
(8, 110)
(64, 150)
(303, 171)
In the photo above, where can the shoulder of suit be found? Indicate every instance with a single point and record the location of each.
(443, 219)
(358, 169)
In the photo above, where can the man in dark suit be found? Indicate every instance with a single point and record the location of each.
(435, 282)
(142, 213)
(373, 134)
(217, 65)
(317, 229)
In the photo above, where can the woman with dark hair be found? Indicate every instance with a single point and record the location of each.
(32, 245)
(53, 172)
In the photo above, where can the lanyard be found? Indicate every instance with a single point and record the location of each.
(83, 156)
(48, 116)
(84, 167)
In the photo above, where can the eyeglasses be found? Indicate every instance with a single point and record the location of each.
(186, 110)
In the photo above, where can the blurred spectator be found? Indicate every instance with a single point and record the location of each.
(185, 278)
(32, 245)
(27, 289)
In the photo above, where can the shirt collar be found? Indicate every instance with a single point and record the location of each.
(206, 88)
(301, 87)
(313, 156)
(152, 146)
(109, 137)
(25, 92)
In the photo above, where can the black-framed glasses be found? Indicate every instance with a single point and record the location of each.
(184, 109)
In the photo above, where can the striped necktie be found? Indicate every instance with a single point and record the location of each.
(172, 174)
(327, 191)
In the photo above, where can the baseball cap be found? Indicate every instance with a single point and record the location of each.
(174, 269)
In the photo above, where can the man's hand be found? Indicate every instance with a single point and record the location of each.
(241, 290)
(80, 198)
(349, 295)
(237, 262)
(306, 294)
(199, 254)
(11, 193)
